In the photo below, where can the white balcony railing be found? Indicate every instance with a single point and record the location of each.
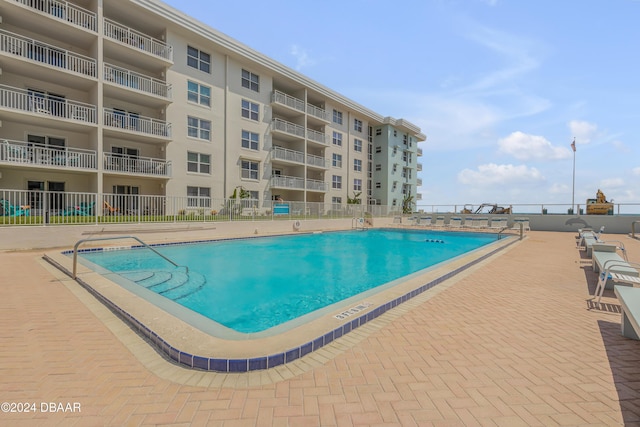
(316, 161)
(137, 165)
(280, 153)
(288, 127)
(133, 122)
(137, 40)
(47, 105)
(419, 166)
(64, 11)
(314, 135)
(291, 182)
(47, 54)
(132, 80)
(288, 100)
(317, 112)
(315, 185)
(26, 153)
(419, 152)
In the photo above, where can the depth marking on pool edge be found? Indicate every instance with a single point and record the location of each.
(353, 310)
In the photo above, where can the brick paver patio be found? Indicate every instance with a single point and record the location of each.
(514, 342)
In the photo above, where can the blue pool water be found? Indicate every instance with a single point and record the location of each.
(250, 285)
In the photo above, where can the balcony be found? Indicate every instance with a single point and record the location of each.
(317, 112)
(137, 40)
(316, 136)
(137, 82)
(289, 182)
(25, 153)
(288, 128)
(134, 123)
(279, 153)
(418, 196)
(136, 165)
(47, 106)
(317, 161)
(315, 185)
(419, 182)
(419, 152)
(64, 11)
(287, 100)
(49, 55)
(419, 166)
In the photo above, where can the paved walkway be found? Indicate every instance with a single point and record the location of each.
(513, 342)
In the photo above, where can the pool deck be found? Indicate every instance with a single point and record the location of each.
(515, 340)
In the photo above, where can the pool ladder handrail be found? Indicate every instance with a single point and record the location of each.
(359, 223)
(79, 242)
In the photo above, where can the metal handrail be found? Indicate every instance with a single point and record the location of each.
(79, 242)
(633, 229)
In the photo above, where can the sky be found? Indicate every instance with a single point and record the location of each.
(499, 87)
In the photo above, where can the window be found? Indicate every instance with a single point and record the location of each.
(199, 128)
(250, 110)
(254, 195)
(198, 93)
(250, 81)
(198, 197)
(395, 132)
(198, 59)
(357, 145)
(357, 185)
(395, 150)
(336, 200)
(198, 162)
(337, 160)
(395, 168)
(357, 125)
(378, 149)
(250, 140)
(357, 165)
(336, 182)
(337, 117)
(378, 131)
(378, 167)
(337, 139)
(378, 185)
(249, 169)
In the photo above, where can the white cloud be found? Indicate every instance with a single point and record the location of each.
(636, 171)
(612, 183)
(523, 146)
(582, 131)
(493, 174)
(302, 57)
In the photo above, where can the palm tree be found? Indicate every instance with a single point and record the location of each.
(407, 204)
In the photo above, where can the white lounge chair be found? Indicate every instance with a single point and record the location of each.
(480, 222)
(439, 221)
(498, 223)
(617, 272)
(523, 221)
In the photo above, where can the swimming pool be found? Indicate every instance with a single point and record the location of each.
(253, 285)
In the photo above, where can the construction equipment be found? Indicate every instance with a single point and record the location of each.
(494, 209)
(599, 205)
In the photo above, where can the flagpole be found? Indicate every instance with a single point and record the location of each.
(573, 190)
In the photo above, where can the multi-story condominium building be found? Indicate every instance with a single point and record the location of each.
(132, 97)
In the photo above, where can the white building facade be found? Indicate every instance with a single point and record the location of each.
(132, 97)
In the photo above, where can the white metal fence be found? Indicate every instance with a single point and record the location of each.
(19, 207)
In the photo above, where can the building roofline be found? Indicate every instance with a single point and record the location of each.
(176, 16)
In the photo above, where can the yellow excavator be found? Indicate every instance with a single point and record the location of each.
(599, 205)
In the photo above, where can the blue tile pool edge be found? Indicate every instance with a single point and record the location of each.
(236, 365)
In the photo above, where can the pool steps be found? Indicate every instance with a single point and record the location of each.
(173, 284)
